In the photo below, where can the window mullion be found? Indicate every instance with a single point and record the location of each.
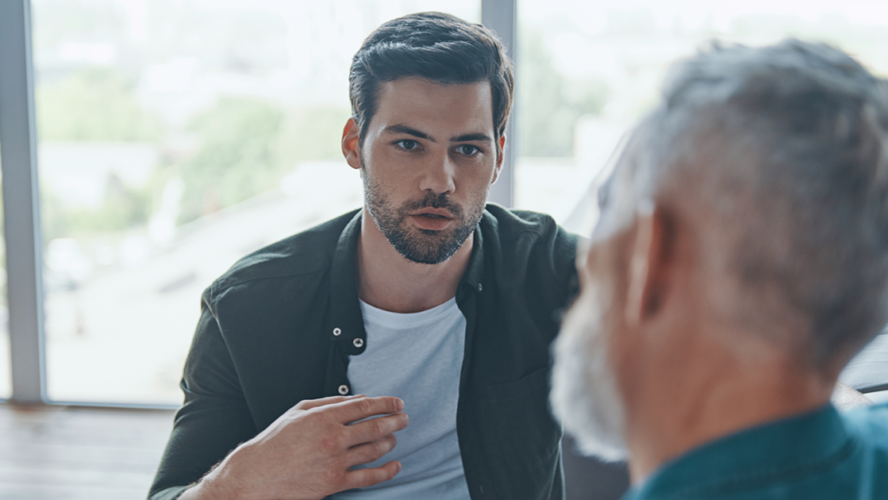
(18, 155)
(501, 16)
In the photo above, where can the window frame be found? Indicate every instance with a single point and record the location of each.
(21, 204)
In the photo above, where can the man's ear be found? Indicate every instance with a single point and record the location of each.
(351, 143)
(500, 155)
(648, 264)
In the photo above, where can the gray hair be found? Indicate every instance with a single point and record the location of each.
(785, 150)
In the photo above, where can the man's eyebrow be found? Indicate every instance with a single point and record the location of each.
(472, 137)
(404, 129)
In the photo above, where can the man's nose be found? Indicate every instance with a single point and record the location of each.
(438, 175)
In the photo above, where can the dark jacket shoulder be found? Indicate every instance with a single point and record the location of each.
(522, 236)
(510, 225)
(307, 252)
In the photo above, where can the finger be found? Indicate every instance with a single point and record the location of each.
(361, 408)
(370, 452)
(375, 428)
(307, 404)
(363, 478)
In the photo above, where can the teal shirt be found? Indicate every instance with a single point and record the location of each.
(819, 455)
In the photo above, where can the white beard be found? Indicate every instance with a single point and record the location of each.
(584, 390)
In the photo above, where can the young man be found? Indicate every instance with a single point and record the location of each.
(423, 305)
(740, 262)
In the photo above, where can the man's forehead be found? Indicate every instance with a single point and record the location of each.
(422, 86)
(434, 108)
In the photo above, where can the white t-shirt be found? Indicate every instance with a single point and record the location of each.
(416, 357)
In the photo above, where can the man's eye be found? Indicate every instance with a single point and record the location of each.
(408, 144)
(468, 149)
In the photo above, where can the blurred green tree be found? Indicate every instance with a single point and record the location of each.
(549, 103)
(124, 207)
(247, 145)
(235, 160)
(95, 105)
(312, 134)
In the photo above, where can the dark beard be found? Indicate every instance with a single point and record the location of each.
(422, 246)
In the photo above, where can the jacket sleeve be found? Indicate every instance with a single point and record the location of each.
(564, 262)
(555, 279)
(214, 418)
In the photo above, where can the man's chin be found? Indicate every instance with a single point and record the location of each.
(426, 247)
(423, 246)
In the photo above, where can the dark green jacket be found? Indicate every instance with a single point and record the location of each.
(820, 455)
(266, 341)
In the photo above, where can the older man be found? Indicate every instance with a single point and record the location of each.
(741, 260)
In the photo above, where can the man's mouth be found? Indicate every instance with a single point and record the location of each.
(434, 213)
(432, 219)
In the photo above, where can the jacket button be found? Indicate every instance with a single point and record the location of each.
(343, 389)
(358, 342)
(480, 287)
(337, 332)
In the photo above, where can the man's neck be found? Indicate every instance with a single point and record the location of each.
(719, 397)
(389, 281)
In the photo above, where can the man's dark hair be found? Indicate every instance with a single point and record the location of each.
(437, 47)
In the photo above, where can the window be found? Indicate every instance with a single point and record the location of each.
(588, 70)
(175, 138)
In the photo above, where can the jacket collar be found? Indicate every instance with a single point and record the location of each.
(347, 324)
(345, 311)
